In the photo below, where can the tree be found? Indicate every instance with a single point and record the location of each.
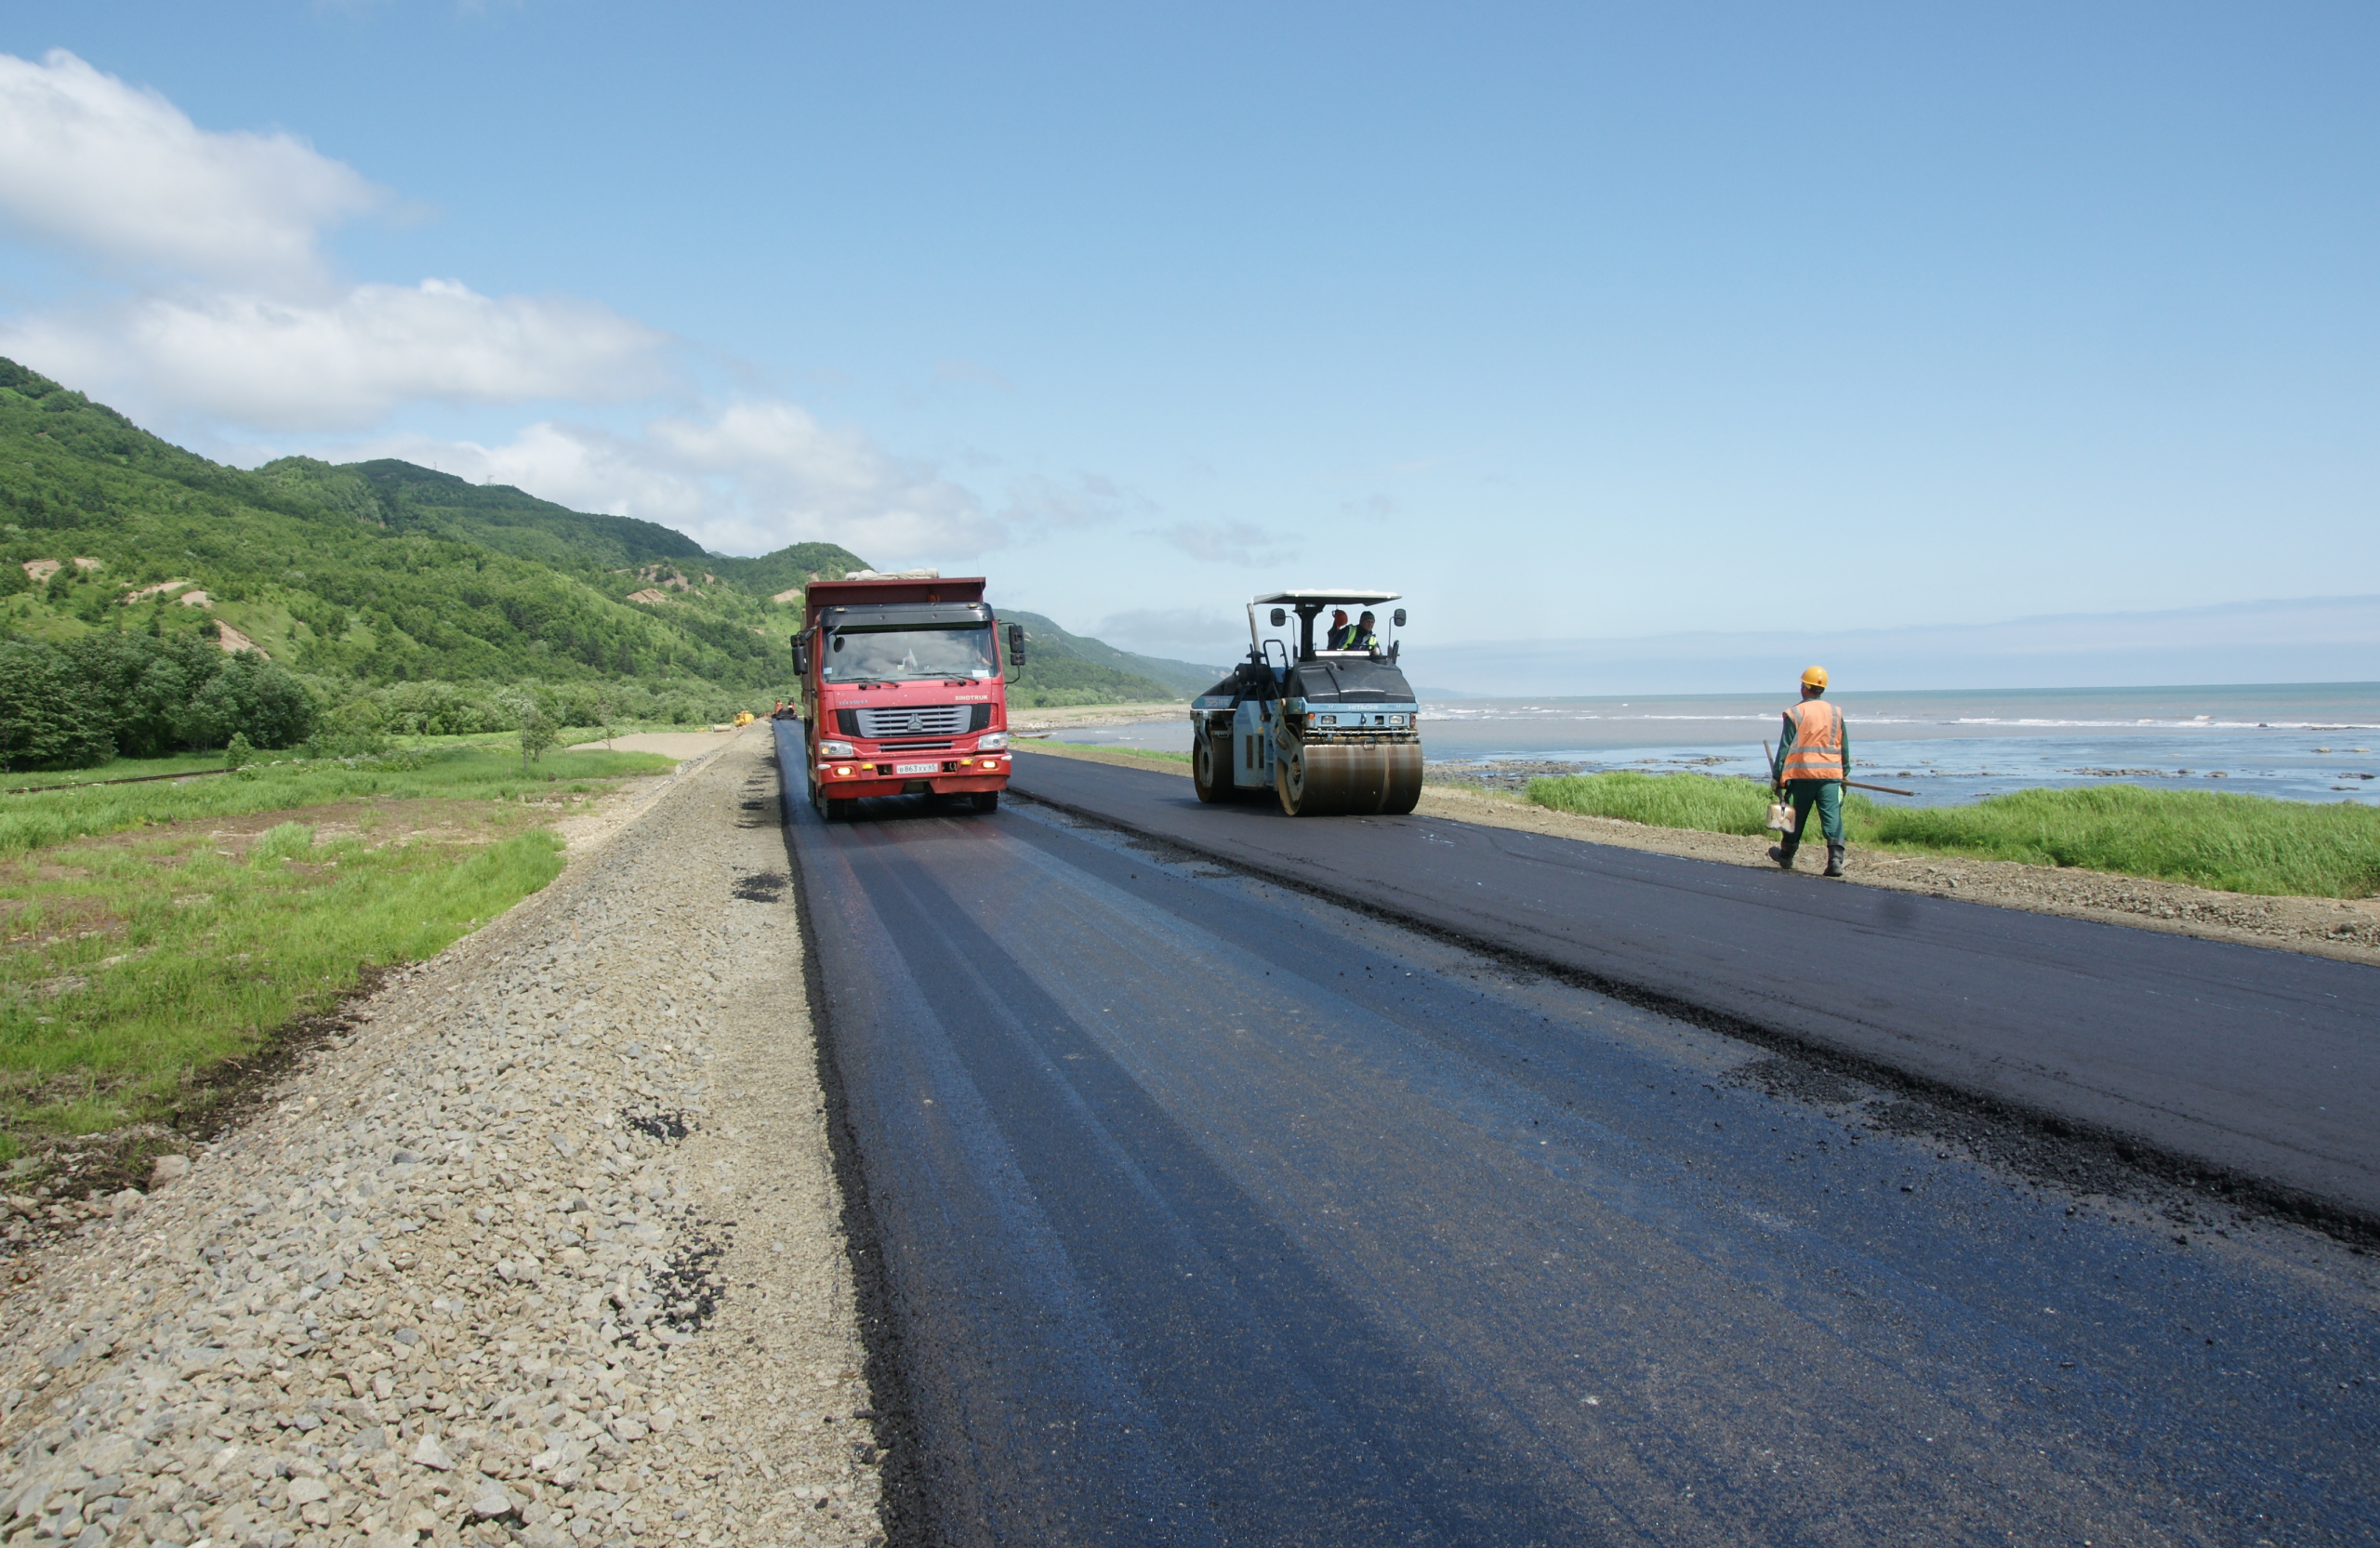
(49, 719)
(248, 697)
(537, 732)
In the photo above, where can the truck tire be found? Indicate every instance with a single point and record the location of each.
(1210, 770)
(985, 801)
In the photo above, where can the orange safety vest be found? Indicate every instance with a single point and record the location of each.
(1817, 752)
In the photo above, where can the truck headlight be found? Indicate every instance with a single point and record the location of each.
(837, 750)
(991, 741)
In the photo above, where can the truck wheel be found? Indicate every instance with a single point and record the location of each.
(1210, 770)
(985, 801)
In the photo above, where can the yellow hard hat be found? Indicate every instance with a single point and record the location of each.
(1814, 677)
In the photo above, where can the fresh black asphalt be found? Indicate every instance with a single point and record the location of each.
(1202, 1211)
(2256, 1065)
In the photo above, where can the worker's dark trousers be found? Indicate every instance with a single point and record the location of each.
(1827, 796)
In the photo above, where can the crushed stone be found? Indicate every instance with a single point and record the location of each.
(545, 1249)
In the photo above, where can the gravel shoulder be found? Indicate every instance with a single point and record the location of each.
(2321, 927)
(1068, 716)
(542, 1245)
(668, 743)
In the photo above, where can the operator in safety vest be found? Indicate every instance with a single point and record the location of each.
(1813, 760)
(1361, 637)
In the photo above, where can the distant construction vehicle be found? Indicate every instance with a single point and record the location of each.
(1327, 729)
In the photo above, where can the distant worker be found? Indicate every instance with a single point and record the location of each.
(1361, 637)
(1813, 760)
(1337, 638)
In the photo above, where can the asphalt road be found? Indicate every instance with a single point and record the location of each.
(1210, 1213)
(2259, 1066)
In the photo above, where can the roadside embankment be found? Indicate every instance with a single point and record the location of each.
(1068, 717)
(159, 934)
(2226, 841)
(539, 1244)
(2346, 930)
(699, 743)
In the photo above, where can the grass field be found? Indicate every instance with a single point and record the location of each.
(153, 930)
(2231, 842)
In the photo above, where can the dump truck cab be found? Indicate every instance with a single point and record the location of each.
(1324, 730)
(903, 691)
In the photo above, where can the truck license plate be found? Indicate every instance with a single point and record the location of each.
(916, 768)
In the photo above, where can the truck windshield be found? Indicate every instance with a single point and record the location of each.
(895, 654)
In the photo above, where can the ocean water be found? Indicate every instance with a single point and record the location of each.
(2297, 741)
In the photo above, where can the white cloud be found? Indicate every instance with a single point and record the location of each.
(1240, 543)
(1192, 634)
(755, 477)
(124, 175)
(1038, 503)
(343, 363)
(233, 315)
(216, 306)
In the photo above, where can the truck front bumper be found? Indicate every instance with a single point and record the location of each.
(855, 778)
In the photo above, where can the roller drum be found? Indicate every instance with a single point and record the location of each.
(1325, 778)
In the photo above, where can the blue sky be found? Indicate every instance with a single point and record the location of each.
(1568, 322)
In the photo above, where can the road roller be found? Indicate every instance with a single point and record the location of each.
(1324, 727)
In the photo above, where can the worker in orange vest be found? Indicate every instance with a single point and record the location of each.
(1813, 760)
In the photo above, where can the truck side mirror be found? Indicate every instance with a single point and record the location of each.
(1016, 644)
(800, 656)
(1397, 617)
(1279, 618)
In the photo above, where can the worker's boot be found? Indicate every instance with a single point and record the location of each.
(1835, 859)
(1784, 853)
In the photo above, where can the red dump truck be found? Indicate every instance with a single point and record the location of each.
(903, 691)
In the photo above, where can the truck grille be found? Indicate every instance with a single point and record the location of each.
(914, 719)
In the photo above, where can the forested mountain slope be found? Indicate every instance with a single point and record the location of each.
(395, 596)
(1179, 680)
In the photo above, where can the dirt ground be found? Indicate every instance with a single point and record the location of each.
(668, 743)
(2321, 927)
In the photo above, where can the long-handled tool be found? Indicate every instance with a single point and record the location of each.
(1770, 759)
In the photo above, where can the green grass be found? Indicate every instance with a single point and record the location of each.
(120, 768)
(2230, 842)
(149, 932)
(134, 966)
(43, 818)
(1692, 800)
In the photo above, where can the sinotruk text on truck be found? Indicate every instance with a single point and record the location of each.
(903, 692)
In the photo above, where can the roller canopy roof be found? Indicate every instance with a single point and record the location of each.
(1326, 596)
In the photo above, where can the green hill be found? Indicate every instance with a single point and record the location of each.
(788, 569)
(1174, 680)
(405, 498)
(382, 597)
